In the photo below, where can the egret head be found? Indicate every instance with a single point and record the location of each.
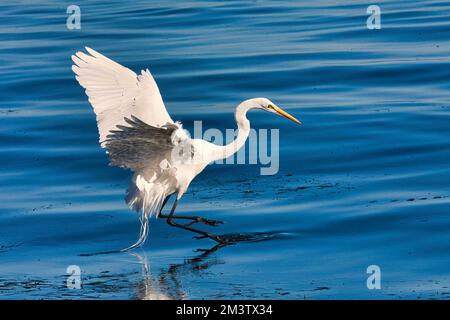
(269, 106)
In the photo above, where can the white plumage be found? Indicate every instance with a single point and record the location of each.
(116, 92)
(139, 134)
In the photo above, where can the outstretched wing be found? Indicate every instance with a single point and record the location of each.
(116, 92)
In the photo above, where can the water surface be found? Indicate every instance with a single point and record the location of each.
(363, 182)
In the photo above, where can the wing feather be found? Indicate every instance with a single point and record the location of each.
(139, 146)
(116, 92)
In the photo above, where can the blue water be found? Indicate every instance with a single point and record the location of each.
(364, 181)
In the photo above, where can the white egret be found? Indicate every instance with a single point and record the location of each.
(138, 134)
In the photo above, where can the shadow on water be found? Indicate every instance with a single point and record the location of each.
(250, 237)
(164, 284)
(231, 238)
(167, 285)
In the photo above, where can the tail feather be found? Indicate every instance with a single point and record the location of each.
(148, 201)
(142, 235)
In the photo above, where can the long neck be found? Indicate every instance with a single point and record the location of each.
(243, 125)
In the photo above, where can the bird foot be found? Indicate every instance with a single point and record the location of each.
(211, 250)
(202, 250)
(212, 237)
(208, 222)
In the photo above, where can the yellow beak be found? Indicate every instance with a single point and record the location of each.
(285, 114)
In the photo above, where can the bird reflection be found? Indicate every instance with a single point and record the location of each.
(167, 286)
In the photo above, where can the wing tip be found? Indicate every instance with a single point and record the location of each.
(91, 51)
(76, 69)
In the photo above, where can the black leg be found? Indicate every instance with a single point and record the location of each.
(204, 234)
(195, 219)
(207, 252)
(163, 204)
